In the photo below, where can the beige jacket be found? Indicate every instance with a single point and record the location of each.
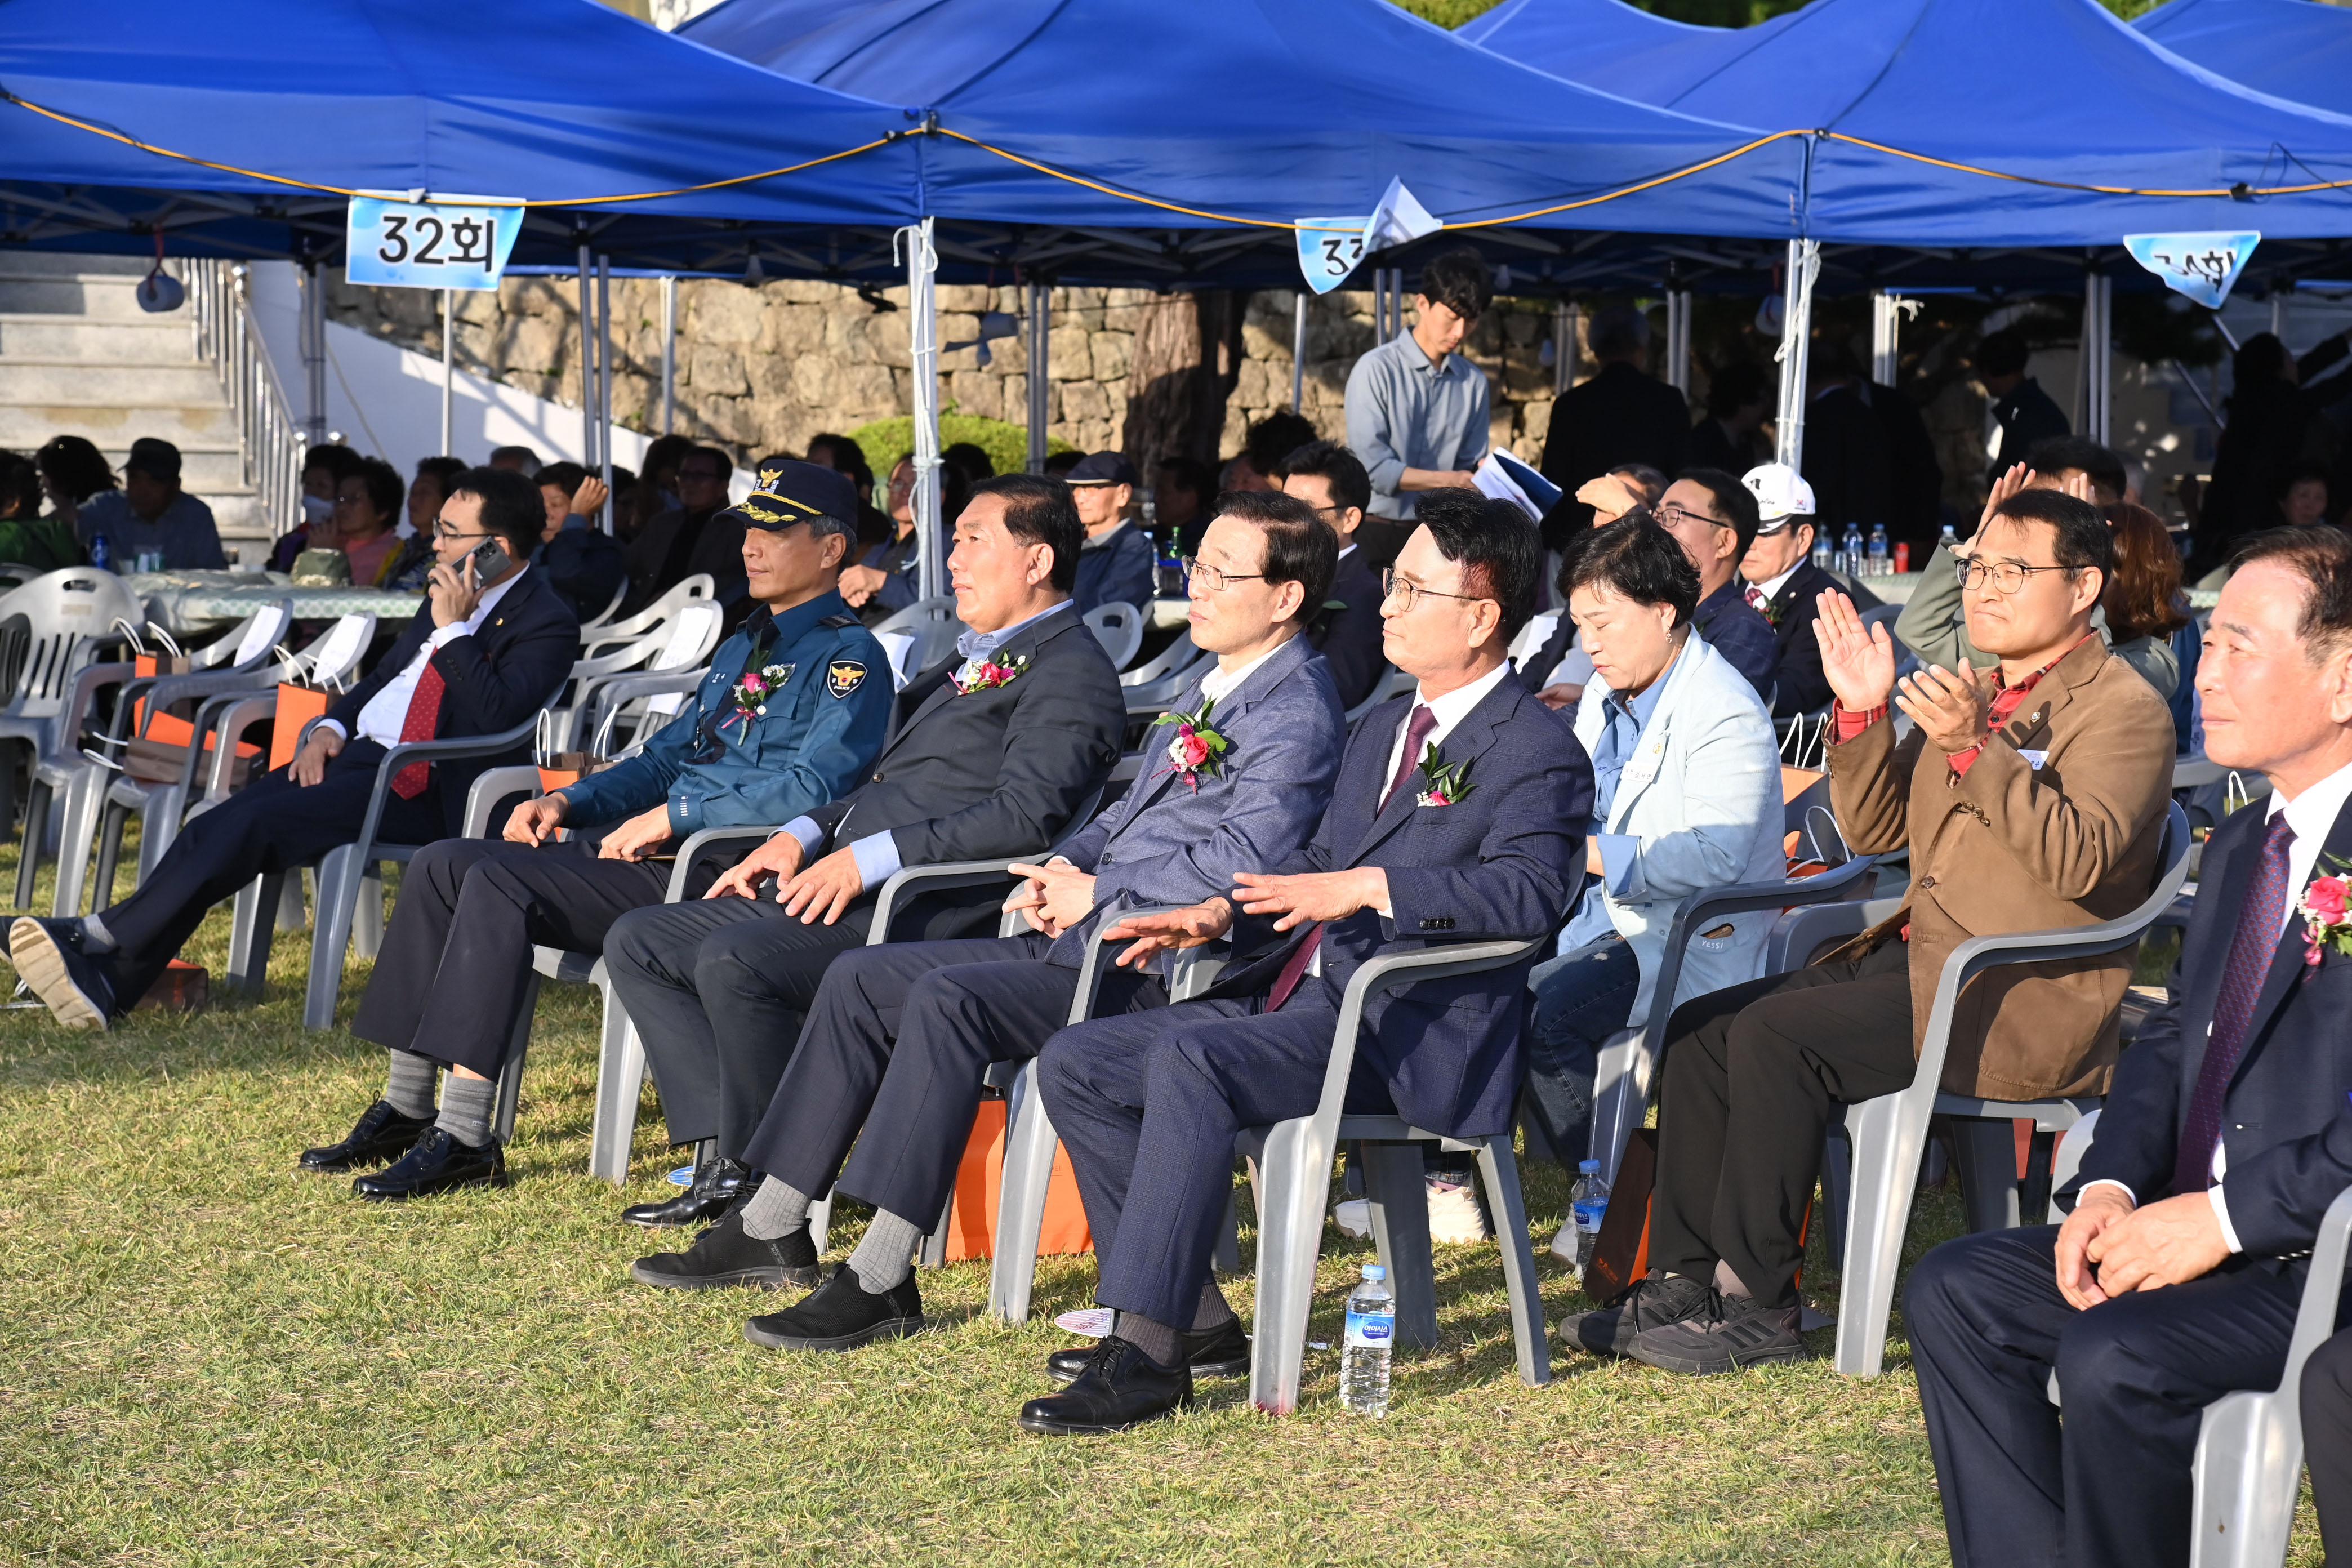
(2010, 847)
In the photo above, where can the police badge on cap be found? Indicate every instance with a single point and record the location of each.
(789, 491)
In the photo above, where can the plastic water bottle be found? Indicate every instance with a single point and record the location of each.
(101, 553)
(1588, 1201)
(1948, 542)
(1824, 554)
(1371, 1333)
(1850, 555)
(1882, 559)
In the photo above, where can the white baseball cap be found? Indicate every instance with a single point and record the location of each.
(1780, 495)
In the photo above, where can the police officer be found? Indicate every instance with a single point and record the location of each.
(791, 713)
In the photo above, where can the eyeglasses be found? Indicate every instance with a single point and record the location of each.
(443, 531)
(1395, 587)
(1673, 515)
(2008, 576)
(1213, 580)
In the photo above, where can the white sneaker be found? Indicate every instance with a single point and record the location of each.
(1455, 1216)
(1563, 1244)
(1353, 1216)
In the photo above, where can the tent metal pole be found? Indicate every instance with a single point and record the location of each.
(1678, 306)
(1298, 350)
(448, 346)
(923, 335)
(314, 352)
(2097, 345)
(1041, 364)
(1796, 340)
(587, 361)
(670, 355)
(1566, 325)
(605, 379)
(2278, 313)
(1885, 331)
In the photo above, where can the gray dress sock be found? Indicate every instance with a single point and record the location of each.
(775, 1210)
(886, 1255)
(409, 1089)
(465, 1104)
(1212, 1312)
(1153, 1338)
(95, 936)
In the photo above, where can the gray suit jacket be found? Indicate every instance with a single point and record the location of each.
(1173, 840)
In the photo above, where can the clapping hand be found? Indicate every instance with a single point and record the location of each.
(1857, 660)
(1954, 711)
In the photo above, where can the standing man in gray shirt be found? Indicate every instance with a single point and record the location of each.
(1416, 409)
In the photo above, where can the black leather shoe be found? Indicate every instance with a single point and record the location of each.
(838, 1315)
(723, 1254)
(1120, 1388)
(1220, 1351)
(48, 957)
(382, 1133)
(716, 1187)
(437, 1164)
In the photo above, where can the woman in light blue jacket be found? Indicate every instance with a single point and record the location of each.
(1686, 796)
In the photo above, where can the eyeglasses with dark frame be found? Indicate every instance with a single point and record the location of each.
(2008, 576)
(1674, 513)
(1393, 586)
(1213, 579)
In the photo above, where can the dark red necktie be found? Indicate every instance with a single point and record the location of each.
(1756, 598)
(2252, 949)
(423, 719)
(1416, 731)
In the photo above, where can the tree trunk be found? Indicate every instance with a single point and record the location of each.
(1188, 352)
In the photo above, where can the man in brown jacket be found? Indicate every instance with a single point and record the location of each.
(2032, 796)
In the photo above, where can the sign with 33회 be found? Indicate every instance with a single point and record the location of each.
(458, 244)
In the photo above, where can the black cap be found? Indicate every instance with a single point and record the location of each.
(789, 491)
(156, 459)
(1102, 468)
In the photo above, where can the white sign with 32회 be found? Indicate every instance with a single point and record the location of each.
(429, 244)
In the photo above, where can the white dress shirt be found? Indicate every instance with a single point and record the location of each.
(387, 711)
(1772, 585)
(2311, 816)
(1219, 684)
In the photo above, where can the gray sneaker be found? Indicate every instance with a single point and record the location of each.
(1738, 1333)
(1653, 1302)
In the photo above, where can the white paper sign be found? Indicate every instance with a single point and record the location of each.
(429, 244)
(1400, 219)
(2201, 265)
(1328, 250)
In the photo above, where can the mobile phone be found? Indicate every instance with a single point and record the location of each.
(490, 563)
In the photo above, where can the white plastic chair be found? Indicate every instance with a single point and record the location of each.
(679, 648)
(51, 630)
(1118, 626)
(602, 634)
(932, 624)
(1394, 684)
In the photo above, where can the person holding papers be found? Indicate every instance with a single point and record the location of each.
(1416, 409)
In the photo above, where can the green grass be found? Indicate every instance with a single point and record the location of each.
(213, 1360)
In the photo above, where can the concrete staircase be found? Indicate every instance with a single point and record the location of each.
(79, 357)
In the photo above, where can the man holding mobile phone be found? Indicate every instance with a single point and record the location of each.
(492, 644)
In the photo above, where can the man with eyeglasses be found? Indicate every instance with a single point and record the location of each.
(790, 713)
(1713, 516)
(1346, 628)
(1458, 815)
(2032, 796)
(491, 645)
(691, 537)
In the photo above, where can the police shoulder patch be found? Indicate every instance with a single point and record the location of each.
(844, 676)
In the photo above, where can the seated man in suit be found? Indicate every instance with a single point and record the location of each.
(1715, 518)
(1346, 626)
(1458, 815)
(2032, 796)
(2224, 1138)
(491, 645)
(1782, 584)
(899, 1033)
(790, 713)
(1116, 565)
(997, 755)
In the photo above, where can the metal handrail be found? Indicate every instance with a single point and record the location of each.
(270, 441)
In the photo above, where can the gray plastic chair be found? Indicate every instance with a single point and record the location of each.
(1889, 1134)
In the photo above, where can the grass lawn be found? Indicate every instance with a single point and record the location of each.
(211, 1359)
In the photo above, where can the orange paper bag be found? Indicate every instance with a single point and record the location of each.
(297, 706)
(971, 1221)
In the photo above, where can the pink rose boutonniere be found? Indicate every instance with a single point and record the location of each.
(2325, 924)
(979, 674)
(751, 693)
(1195, 748)
(1448, 782)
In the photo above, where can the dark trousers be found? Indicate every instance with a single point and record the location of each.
(2110, 1484)
(270, 826)
(2327, 1442)
(1148, 1105)
(1582, 997)
(1750, 1074)
(456, 958)
(718, 989)
(895, 1044)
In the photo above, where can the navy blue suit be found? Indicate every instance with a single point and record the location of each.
(1118, 568)
(1726, 619)
(898, 1033)
(1149, 1104)
(1987, 1322)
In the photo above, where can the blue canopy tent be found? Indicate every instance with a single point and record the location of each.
(2294, 49)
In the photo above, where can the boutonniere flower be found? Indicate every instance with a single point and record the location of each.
(751, 693)
(2326, 925)
(1448, 782)
(1195, 748)
(979, 674)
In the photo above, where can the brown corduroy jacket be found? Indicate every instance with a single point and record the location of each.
(2011, 845)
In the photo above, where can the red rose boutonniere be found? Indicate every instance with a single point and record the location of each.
(979, 674)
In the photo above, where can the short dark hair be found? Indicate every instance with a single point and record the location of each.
(2081, 543)
(1734, 387)
(1459, 281)
(2000, 353)
(1653, 484)
(445, 471)
(1188, 474)
(565, 476)
(1298, 547)
(1337, 468)
(846, 451)
(726, 464)
(2322, 557)
(971, 458)
(526, 460)
(512, 507)
(1499, 551)
(1734, 499)
(1635, 558)
(20, 487)
(335, 458)
(1618, 332)
(385, 489)
(2058, 454)
(74, 465)
(1274, 438)
(1059, 463)
(1038, 510)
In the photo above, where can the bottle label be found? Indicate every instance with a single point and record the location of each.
(1588, 1215)
(1375, 1331)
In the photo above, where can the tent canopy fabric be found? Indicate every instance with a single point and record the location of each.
(2294, 49)
(552, 100)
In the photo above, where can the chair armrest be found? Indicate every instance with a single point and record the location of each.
(84, 693)
(1382, 974)
(1838, 884)
(622, 688)
(407, 752)
(491, 785)
(167, 689)
(230, 716)
(2314, 1320)
(946, 874)
(688, 851)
